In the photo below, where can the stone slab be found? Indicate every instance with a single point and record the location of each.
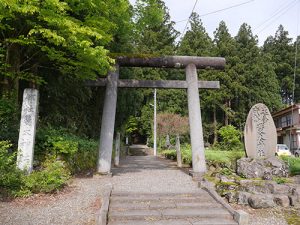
(29, 117)
(204, 213)
(260, 132)
(136, 215)
(151, 222)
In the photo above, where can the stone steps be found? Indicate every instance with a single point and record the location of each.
(166, 209)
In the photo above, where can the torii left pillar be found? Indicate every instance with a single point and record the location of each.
(108, 122)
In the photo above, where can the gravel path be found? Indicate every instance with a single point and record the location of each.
(77, 204)
(151, 174)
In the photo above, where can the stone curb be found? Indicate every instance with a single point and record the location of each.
(241, 217)
(101, 217)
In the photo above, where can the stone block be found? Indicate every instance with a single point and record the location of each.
(294, 201)
(241, 217)
(258, 201)
(282, 200)
(254, 186)
(279, 189)
(242, 198)
(29, 117)
(260, 132)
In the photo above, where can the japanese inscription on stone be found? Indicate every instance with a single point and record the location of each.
(260, 132)
(27, 129)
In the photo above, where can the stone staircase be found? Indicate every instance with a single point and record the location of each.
(129, 208)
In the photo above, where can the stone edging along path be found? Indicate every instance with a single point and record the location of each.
(148, 190)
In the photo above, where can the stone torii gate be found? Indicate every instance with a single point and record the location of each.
(112, 82)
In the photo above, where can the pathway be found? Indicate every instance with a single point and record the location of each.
(148, 190)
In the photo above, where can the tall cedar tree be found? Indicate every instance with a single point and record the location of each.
(281, 50)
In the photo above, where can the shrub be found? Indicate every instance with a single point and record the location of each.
(53, 176)
(10, 176)
(294, 164)
(79, 153)
(230, 138)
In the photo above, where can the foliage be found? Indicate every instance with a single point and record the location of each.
(9, 123)
(169, 123)
(230, 138)
(79, 153)
(293, 163)
(52, 176)
(10, 176)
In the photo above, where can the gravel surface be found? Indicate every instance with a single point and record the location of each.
(77, 204)
(271, 216)
(151, 174)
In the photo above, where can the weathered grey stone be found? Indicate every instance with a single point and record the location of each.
(178, 152)
(258, 201)
(231, 197)
(29, 118)
(117, 149)
(294, 201)
(242, 197)
(254, 186)
(280, 189)
(260, 132)
(282, 200)
(249, 168)
(196, 130)
(262, 168)
(108, 123)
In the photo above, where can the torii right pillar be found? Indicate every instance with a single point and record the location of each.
(195, 121)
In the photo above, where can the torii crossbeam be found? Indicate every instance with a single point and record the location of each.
(112, 82)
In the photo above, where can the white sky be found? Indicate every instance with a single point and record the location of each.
(264, 16)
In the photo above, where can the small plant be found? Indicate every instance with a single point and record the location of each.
(280, 180)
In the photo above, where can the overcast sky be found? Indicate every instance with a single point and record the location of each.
(264, 16)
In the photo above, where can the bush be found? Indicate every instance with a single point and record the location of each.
(50, 178)
(230, 138)
(294, 164)
(79, 153)
(10, 176)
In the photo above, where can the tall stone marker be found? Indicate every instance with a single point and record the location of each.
(27, 129)
(260, 132)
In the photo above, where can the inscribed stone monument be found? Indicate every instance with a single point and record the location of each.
(260, 132)
(27, 129)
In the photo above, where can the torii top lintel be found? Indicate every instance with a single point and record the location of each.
(179, 62)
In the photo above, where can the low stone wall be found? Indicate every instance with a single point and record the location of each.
(262, 183)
